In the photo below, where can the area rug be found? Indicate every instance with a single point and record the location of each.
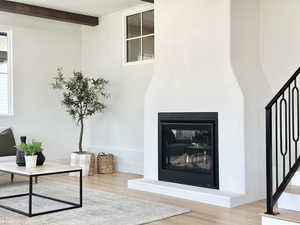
(99, 208)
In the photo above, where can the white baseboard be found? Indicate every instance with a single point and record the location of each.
(126, 160)
(198, 194)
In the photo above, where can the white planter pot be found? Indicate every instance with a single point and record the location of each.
(84, 160)
(30, 161)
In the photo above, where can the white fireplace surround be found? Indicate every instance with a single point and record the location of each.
(211, 66)
(198, 194)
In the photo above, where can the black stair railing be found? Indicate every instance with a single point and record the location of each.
(282, 138)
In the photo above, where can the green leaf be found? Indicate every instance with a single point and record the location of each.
(31, 148)
(82, 96)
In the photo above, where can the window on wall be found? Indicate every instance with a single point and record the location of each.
(5, 74)
(140, 37)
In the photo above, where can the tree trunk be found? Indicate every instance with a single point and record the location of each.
(81, 135)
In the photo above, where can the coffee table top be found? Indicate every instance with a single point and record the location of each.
(47, 168)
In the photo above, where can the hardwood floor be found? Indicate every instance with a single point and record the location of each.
(201, 214)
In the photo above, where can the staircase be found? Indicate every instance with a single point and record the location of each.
(283, 156)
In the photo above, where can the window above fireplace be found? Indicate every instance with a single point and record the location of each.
(139, 40)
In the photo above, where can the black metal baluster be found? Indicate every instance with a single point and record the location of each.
(289, 128)
(295, 91)
(283, 148)
(287, 136)
(276, 141)
(270, 202)
(297, 139)
(286, 132)
(293, 120)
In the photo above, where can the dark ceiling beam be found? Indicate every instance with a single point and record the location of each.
(151, 1)
(47, 13)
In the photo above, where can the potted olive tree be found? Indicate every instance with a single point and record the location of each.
(30, 151)
(82, 97)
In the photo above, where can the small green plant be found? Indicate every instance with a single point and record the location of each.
(31, 149)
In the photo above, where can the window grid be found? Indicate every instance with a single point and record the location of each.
(140, 37)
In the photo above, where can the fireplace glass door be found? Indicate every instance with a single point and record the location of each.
(188, 147)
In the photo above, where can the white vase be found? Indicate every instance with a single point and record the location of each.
(83, 160)
(30, 161)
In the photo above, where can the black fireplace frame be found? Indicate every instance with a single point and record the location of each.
(187, 177)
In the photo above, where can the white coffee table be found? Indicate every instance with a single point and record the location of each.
(45, 170)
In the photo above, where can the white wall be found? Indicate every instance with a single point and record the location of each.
(280, 37)
(120, 128)
(196, 59)
(39, 48)
(193, 73)
(245, 55)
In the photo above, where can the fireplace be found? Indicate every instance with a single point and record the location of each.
(188, 149)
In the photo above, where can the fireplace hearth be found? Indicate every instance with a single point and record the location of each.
(188, 148)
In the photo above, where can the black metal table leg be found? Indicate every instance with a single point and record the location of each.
(31, 193)
(80, 184)
(30, 196)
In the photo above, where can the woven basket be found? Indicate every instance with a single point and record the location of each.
(105, 163)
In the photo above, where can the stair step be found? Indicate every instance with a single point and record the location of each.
(290, 199)
(293, 189)
(296, 179)
(286, 217)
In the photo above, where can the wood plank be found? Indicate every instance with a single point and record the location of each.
(47, 13)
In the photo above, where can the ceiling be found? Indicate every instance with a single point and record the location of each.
(90, 7)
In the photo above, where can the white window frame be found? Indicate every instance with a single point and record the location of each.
(131, 12)
(10, 73)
